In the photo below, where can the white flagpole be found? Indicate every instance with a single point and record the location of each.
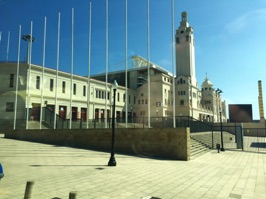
(126, 49)
(16, 96)
(148, 67)
(57, 67)
(29, 76)
(72, 63)
(7, 48)
(106, 67)
(173, 56)
(43, 64)
(89, 68)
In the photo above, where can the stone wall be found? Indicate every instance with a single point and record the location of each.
(155, 142)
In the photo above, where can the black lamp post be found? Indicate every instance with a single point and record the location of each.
(221, 125)
(112, 161)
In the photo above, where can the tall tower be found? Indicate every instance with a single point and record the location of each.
(262, 119)
(185, 52)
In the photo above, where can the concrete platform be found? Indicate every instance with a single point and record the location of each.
(60, 170)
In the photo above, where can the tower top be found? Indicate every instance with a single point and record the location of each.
(184, 21)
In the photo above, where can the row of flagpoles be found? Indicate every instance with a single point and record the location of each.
(29, 54)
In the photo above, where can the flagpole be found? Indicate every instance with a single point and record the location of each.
(89, 68)
(173, 56)
(72, 58)
(7, 48)
(126, 49)
(57, 67)
(148, 67)
(43, 64)
(29, 76)
(106, 67)
(16, 95)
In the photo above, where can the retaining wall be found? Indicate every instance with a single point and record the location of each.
(154, 142)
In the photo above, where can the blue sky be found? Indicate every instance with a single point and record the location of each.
(230, 42)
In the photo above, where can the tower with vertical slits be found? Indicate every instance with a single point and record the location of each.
(262, 119)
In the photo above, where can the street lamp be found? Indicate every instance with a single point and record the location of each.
(29, 39)
(221, 125)
(112, 161)
(218, 92)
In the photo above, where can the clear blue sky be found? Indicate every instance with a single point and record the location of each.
(230, 41)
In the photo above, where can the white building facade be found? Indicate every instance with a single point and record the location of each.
(38, 87)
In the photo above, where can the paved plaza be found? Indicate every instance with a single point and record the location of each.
(58, 170)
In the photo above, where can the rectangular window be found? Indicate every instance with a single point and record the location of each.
(108, 95)
(182, 102)
(10, 107)
(124, 97)
(38, 79)
(177, 40)
(74, 89)
(63, 87)
(84, 91)
(51, 85)
(118, 97)
(11, 81)
(146, 101)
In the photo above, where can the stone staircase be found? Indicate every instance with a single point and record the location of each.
(197, 148)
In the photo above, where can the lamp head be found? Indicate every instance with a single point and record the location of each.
(218, 91)
(115, 85)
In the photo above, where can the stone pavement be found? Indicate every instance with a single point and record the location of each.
(59, 170)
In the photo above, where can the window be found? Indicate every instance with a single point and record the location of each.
(143, 101)
(187, 38)
(118, 97)
(142, 112)
(11, 80)
(181, 92)
(124, 97)
(38, 79)
(74, 89)
(108, 95)
(182, 102)
(63, 87)
(52, 85)
(84, 91)
(146, 101)
(10, 107)
(177, 40)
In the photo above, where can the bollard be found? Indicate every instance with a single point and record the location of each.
(28, 191)
(1, 172)
(73, 195)
(218, 147)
